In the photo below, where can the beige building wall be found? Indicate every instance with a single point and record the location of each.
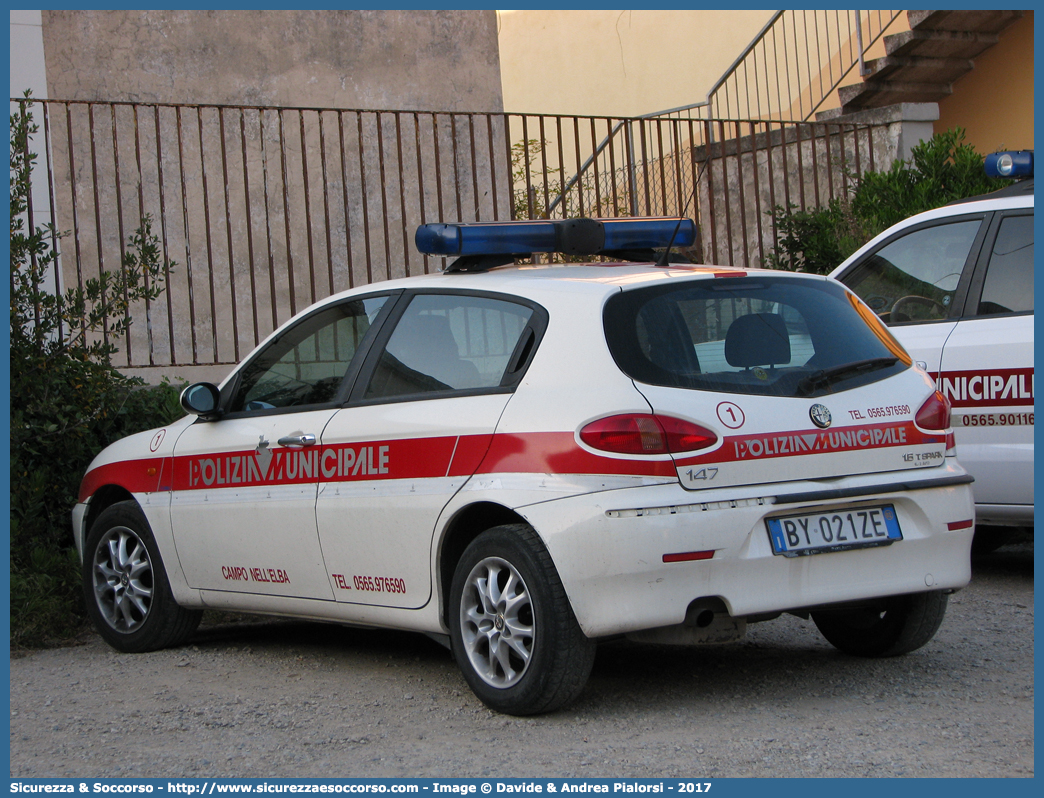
(994, 102)
(618, 63)
(409, 60)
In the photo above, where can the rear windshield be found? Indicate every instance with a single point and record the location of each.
(754, 335)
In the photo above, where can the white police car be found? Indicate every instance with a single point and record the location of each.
(956, 287)
(526, 460)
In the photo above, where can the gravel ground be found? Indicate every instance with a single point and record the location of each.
(291, 699)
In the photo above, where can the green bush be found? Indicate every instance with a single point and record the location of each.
(67, 399)
(941, 170)
(812, 241)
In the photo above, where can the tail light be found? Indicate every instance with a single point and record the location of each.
(684, 436)
(639, 433)
(934, 415)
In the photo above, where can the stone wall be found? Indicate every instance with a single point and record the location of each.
(268, 207)
(752, 167)
(415, 60)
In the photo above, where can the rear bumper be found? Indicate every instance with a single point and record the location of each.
(609, 549)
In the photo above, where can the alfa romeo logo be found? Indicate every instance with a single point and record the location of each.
(820, 416)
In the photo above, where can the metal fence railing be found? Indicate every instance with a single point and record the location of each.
(266, 210)
(793, 67)
(790, 71)
(796, 63)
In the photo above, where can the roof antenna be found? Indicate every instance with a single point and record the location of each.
(663, 259)
(662, 262)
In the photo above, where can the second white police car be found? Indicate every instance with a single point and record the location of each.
(525, 460)
(955, 285)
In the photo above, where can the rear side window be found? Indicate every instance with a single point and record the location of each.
(1009, 277)
(445, 342)
(756, 335)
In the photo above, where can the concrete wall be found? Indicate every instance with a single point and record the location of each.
(994, 102)
(415, 60)
(802, 166)
(264, 211)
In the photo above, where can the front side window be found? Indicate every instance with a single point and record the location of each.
(756, 335)
(307, 363)
(1009, 277)
(446, 342)
(914, 278)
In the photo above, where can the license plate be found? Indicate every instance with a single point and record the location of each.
(797, 535)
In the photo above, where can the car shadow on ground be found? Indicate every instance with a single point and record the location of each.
(779, 658)
(223, 629)
(1014, 558)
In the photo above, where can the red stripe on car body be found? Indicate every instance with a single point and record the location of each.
(468, 454)
(429, 458)
(558, 453)
(130, 474)
(748, 448)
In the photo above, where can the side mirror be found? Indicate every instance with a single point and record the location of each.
(201, 399)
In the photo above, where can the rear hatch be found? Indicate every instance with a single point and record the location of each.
(792, 375)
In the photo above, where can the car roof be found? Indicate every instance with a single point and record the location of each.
(986, 202)
(546, 284)
(1019, 188)
(534, 281)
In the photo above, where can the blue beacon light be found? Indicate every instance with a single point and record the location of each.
(569, 236)
(1009, 164)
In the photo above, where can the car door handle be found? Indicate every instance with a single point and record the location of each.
(297, 439)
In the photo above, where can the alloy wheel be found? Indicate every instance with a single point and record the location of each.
(497, 622)
(123, 579)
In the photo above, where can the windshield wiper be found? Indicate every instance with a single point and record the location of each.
(827, 376)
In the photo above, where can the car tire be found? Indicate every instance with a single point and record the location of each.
(125, 585)
(512, 629)
(898, 625)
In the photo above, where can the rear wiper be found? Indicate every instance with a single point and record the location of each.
(826, 376)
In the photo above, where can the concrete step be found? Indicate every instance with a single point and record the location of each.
(904, 112)
(879, 93)
(918, 69)
(922, 64)
(939, 44)
(979, 21)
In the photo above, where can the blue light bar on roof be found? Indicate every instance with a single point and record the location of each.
(1009, 164)
(569, 236)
